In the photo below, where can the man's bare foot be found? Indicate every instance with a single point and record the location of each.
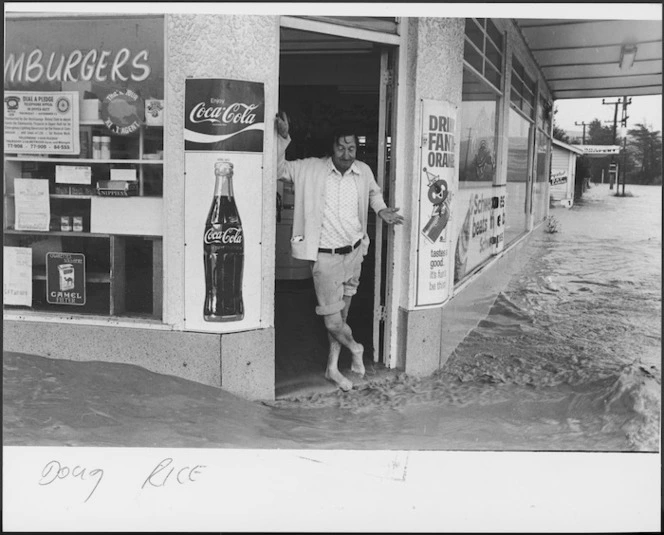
(336, 377)
(357, 364)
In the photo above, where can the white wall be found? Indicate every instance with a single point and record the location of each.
(243, 47)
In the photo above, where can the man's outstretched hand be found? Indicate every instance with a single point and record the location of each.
(281, 122)
(390, 216)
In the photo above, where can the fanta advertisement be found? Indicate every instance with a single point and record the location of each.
(440, 141)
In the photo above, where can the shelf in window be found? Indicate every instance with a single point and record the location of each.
(39, 273)
(99, 122)
(80, 160)
(85, 197)
(59, 196)
(67, 196)
(57, 233)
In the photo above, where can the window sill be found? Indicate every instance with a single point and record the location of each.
(81, 319)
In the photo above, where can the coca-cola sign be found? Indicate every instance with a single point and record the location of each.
(224, 115)
(230, 236)
(237, 112)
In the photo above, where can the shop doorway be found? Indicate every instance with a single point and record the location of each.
(324, 81)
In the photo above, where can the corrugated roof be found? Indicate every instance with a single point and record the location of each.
(581, 58)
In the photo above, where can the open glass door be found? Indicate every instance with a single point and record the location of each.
(384, 234)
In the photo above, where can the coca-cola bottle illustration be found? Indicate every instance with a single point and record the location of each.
(223, 251)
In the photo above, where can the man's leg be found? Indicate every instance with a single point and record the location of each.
(340, 334)
(357, 364)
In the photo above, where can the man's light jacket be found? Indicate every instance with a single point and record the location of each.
(308, 176)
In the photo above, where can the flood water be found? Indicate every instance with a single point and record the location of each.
(569, 358)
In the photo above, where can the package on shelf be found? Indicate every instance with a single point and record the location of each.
(88, 103)
(82, 190)
(90, 109)
(117, 188)
(61, 189)
(73, 174)
(123, 174)
(85, 136)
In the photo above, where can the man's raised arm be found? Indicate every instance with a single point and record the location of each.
(284, 168)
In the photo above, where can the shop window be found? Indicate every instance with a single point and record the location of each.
(541, 183)
(477, 174)
(518, 142)
(483, 50)
(478, 131)
(478, 143)
(544, 115)
(524, 89)
(83, 160)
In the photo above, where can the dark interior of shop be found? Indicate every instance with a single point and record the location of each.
(324, 81)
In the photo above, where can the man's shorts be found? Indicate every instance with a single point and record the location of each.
(336, 275)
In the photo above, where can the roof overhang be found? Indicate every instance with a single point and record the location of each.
(598, 151)
(582, 58)
(577, 149)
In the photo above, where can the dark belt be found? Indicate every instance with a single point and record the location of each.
(342, 250)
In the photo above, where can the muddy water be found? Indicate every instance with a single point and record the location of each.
(569, 358)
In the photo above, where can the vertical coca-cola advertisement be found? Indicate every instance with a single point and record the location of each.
(224, 122)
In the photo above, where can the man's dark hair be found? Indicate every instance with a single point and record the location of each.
(343, 131)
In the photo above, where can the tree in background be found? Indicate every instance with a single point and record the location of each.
(644, 155)
(598, 134)
(559, 133)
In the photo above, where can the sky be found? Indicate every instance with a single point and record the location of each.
(644, 109)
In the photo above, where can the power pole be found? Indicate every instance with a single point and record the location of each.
(623, 124)
(615, 124)
(584, 130)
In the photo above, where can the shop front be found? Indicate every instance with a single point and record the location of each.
(140, 183)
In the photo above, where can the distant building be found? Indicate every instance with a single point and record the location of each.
(563, 166)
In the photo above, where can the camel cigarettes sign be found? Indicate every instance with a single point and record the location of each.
(65, 278)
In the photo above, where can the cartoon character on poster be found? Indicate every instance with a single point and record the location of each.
(440, 197)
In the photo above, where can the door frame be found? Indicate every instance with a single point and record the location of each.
(384, 302)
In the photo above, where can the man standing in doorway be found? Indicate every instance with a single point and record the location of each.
(332, 198)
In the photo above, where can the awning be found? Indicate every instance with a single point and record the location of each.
(597, 151)
(597, 58)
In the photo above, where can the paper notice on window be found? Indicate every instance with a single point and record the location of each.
(17, 276)
(41, 122)
(32, 203)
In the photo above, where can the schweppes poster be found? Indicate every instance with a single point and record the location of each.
(224, 115)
